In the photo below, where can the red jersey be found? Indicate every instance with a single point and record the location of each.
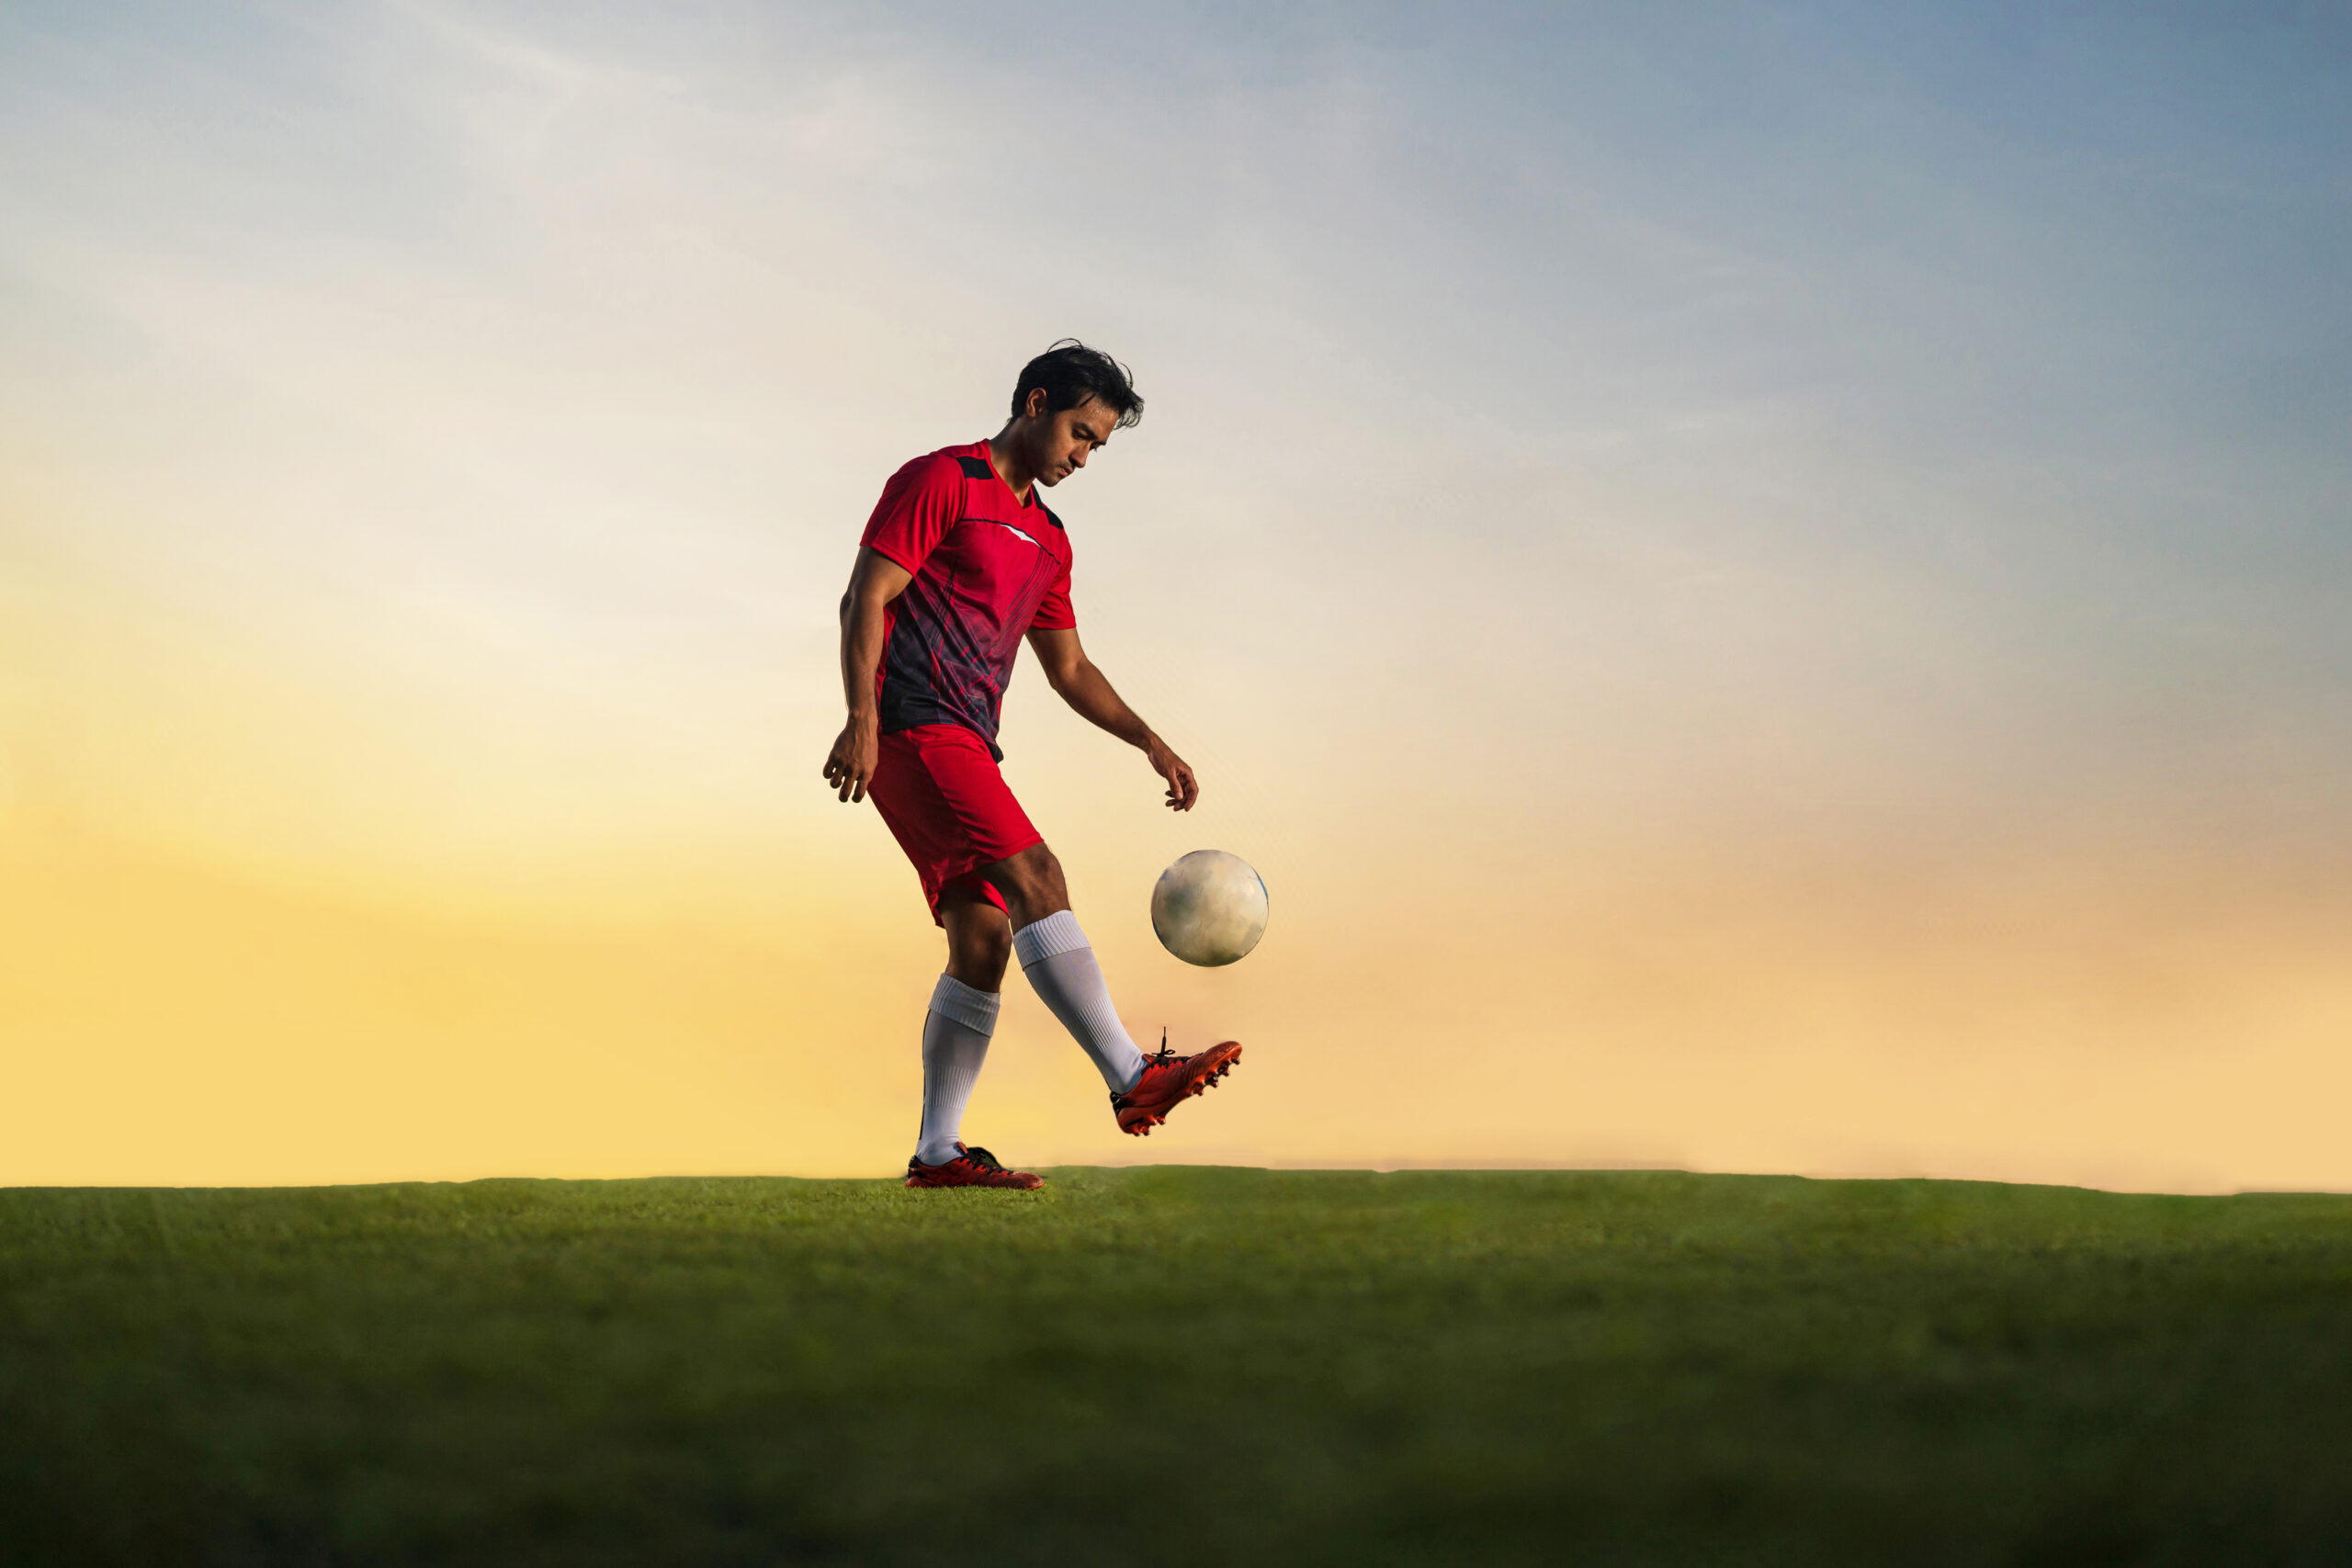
(988, 567)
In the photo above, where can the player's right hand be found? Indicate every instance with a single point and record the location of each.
(849, 766)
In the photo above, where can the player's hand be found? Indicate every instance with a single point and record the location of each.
(849, 766)
(1182, 787)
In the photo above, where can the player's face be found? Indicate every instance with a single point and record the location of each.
(1066, 439)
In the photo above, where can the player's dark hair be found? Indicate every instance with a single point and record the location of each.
(1070, 372)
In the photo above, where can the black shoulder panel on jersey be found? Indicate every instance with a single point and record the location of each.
(977, 468)
(1050, 517)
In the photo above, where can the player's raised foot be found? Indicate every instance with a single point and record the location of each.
(970, 1167)
(1168, 1081)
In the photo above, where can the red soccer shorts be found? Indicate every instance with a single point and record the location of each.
(949, 808)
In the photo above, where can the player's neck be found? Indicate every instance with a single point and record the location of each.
(1009, 464)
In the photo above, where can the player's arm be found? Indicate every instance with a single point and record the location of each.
(873, 583)
(1085, 688)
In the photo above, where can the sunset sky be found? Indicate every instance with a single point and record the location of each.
(1769, 587)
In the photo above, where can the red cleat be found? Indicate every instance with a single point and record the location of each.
(971, 1168)
(1168, 1080)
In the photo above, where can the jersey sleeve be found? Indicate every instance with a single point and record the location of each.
(1054, 612)
(918, 506)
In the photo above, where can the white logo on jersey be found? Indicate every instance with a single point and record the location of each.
(1019, 534)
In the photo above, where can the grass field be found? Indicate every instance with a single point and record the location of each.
(1175, 1366)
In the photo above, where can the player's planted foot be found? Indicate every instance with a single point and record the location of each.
(970, 1167)
(1168, 1081)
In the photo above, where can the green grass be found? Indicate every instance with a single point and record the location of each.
(1175, 1366)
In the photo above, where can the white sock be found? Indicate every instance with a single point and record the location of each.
(1056, 957)
(955, 1043)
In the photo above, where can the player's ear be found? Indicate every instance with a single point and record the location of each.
(1036, 407)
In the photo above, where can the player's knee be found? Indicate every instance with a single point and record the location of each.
(978, 953)
(992, 946)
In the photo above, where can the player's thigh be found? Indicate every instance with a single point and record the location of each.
(1033, 876)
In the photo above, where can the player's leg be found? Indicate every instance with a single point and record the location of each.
(1060, 962)
(962, 1016)
(955, 1034)
(956, 1030)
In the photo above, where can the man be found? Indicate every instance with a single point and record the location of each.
(959, 562)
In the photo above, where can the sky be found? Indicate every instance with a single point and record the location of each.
(1765, 584)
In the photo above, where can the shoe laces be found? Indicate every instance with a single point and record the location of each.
(980, 1157)
(1163, 1057)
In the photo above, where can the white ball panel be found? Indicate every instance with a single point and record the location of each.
(1209, 908)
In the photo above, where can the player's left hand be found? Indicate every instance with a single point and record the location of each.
(1182, 787)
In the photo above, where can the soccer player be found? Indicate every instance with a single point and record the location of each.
(961, 561)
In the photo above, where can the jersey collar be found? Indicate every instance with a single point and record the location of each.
(987, 454)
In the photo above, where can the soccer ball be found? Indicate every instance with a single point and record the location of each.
(1209, 908)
